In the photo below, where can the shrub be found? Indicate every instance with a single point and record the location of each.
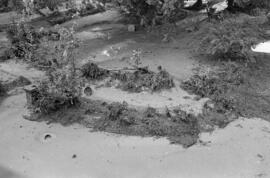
(62, 87)
(17, 5)
(42, 48)
(51, 96)
(231, 40)
(24, 39)
(143, 79)
(4, 6)
(93, 72)
(151, 12)
(251, 4)
(217, 85)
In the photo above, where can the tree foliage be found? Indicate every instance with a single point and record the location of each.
(150, 12)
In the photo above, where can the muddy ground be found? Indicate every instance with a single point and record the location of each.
(36, 149)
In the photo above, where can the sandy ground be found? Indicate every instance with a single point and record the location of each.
(241, 150)
(38, 150)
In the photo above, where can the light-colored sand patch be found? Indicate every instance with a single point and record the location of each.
(88, 35)
(108, 16)
(3, 38)
(110, 52)
(6, 18)
(102, 31)
(12, 69)
(240, 150)
(262, 47)
(175, 97)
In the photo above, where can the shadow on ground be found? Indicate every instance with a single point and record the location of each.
(7, 173)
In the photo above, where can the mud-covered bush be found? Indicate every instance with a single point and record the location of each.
(93, 72)
(216, 82)
(152, 12)
(120, 118)
(4, 6)
(17, 5)
(144, 79)
(232, 40)
(24, 39)
(30, 44)
(48, 98)
(251, 4)
(56, 49)
(62, 87)
(203, 86)
(217, 85)
(42, 48)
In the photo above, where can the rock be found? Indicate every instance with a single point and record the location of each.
(31, 94)
(88, 91)
(74, 156)
(131, 28)
(166, 38)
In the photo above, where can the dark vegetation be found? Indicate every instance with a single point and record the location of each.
(26, 41)
(2, 90)
(217, 86)
(93, 72)
(144, 79)
(236, 86)
(136, 80)
(150, 13)
(118, 118)
(234, 90)
(232, 39)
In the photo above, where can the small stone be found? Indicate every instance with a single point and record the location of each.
(197, 98)
(166, 38)
(74, 156)
(88, 91)
(131, 28)
(209, 105)
(267, 31)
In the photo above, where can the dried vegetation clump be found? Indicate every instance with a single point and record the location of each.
(132, 80)
(93, 72)
(217, 86)
(144, 79)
